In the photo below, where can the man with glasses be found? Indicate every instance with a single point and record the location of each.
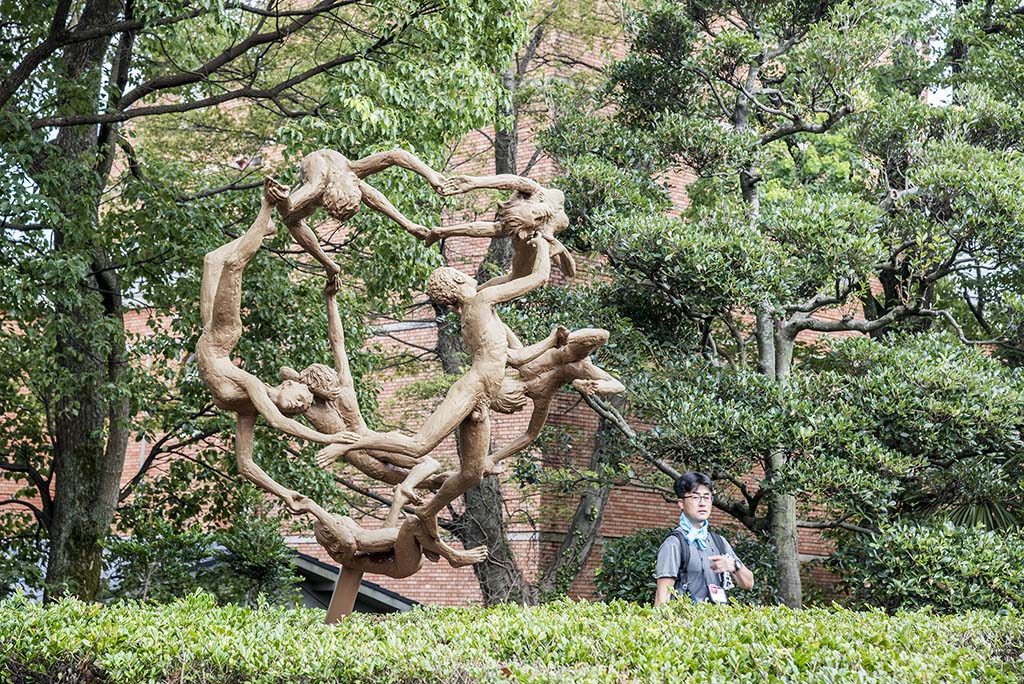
(694, 561)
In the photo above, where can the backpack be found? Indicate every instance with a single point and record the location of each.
(684, 556)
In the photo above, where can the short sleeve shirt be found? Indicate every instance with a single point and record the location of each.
(698, 573)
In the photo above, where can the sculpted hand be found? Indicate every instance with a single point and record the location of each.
(332, 286)
(273, 191)
(588, 387)
(456, 185)
(437, 181)
(329, 455)
(344, 437)
(432, 237)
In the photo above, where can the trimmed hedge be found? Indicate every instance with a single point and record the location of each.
(195, 641)
(944, 567)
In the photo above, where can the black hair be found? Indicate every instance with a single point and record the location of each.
(688, 482)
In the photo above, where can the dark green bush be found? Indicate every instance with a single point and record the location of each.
(195, 641)
(627, 567)
(945, 567)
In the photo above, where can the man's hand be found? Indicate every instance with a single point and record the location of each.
(456, 185)
(437, 181)
(332, 286)
(432, 237)
(723, 563)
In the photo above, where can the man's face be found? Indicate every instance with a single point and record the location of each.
(697, 504)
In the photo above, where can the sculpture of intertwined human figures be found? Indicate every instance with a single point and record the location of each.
(502, 373)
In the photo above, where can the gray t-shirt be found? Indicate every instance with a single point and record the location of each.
(698, 573)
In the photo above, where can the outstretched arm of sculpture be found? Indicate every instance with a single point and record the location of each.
(604, 385)
(457, 185)
(471, 229)
(260, 399)
(295, 207)
(377, 201)
(537, 420)
(519, 355)
(514, 289)
(376, 163)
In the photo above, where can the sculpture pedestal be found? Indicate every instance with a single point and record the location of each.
(343, 600)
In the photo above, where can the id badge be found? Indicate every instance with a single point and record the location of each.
(717, 594)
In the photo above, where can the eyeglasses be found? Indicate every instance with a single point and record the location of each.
(701, 498)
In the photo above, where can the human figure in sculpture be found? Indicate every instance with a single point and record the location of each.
(532, 208)
(542, 378)
(466, 404)
(234, 389)
(331, 181)
(402, 558)
(335, 408)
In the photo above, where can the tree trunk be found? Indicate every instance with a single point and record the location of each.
(782, 506)
(91, 415)
(579, 539)
(782, 516)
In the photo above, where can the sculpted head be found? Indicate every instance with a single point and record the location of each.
(321, 380)
(450, 286)
(291, 397)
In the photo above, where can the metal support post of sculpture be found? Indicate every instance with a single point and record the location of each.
(502, 373)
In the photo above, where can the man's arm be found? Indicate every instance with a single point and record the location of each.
(514, 289)
(520, 355)
(594, 380)
(664, 591)
(346, 401)
(506, 181)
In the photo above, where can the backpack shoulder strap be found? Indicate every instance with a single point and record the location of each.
(684, 556)
(719, 542)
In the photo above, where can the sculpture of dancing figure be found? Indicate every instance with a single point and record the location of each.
(335, 408)
(234, 389)
(544, 376)
(532, 208)
(466, 404)
(331, 181)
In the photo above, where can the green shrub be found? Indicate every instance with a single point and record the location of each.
(195, 641)
(943, 566)
(627, 567)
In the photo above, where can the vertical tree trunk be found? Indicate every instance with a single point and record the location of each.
(774, 360)
(782, 506)
(579, 539)
(91, 417)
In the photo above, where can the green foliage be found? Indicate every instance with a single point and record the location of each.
(243, 563)
(178, 189)
(946, 567)
(627, 567)
(194, 641)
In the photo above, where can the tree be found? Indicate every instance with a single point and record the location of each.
(835, 193)
(119, 118)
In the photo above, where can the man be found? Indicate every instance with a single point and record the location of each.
(693, 561)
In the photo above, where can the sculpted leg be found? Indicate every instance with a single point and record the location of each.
(458, 403)
(404, 491)
(475, 438)
(221, 294)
